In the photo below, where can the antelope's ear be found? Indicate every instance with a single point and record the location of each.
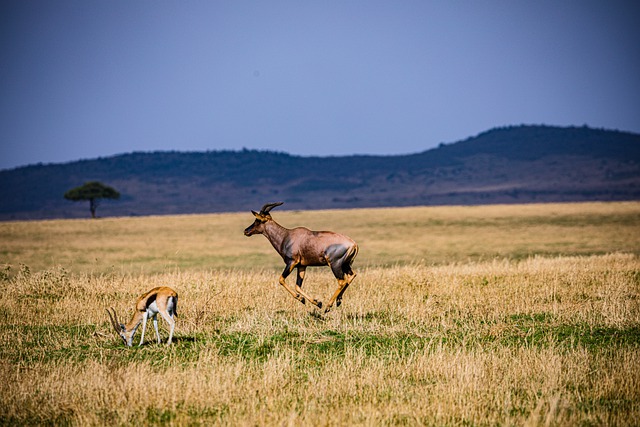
(262, 217)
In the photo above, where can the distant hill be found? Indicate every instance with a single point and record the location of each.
(518, 164)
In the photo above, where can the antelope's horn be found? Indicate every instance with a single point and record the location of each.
(266, 208)
(114, 320)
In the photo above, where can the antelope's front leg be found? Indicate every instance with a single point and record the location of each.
(287, 270)
(299, 279)
(297, 293)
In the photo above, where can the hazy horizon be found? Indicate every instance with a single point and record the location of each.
(241, 149)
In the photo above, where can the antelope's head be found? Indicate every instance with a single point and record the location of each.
(121, 330)
(262, 218)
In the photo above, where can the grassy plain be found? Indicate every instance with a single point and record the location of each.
(508, 315)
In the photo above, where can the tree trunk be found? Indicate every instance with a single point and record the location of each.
(92, 207)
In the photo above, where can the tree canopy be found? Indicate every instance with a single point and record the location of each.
(92, 191)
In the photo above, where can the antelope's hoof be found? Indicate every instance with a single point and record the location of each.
(326, 310)
(319, 304)
(304, 301)
(338, 302)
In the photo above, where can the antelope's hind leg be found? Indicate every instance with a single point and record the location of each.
(344, 280)
(349, 279)
(342, 285)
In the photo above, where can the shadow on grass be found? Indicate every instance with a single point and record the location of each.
(183, 339)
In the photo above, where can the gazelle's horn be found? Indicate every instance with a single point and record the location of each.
(266, 208)
(114, 320)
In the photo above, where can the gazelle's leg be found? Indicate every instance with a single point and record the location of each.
(144, 327)
(172, 325)
(155, 326)
(299, 279)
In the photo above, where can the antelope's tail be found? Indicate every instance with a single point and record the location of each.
(348, 258)
(353, 253)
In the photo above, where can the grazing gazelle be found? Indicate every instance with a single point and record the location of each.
(163, 300)
(301, 248)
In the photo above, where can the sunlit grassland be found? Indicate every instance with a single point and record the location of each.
(387, 237)
(487, 315)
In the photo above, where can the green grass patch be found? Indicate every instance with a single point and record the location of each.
(43, 343)
(541, 329)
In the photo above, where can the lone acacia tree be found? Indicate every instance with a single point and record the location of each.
(92, 191)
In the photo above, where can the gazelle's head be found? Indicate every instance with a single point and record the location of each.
(262, 218)
(121, 330)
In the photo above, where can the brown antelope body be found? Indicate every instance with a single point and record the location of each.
(163, 300)
(301, 248)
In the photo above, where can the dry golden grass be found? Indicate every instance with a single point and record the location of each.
(491, 328)
(436, 235)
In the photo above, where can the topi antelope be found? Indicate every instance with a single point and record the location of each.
(301, 248)
(163, 300)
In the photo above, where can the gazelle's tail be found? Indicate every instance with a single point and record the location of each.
(175, 306)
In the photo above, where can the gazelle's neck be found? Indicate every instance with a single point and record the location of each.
(135, 322)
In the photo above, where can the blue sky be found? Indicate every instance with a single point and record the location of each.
(84, 79)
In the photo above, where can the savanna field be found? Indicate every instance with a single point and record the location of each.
(487, 315)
